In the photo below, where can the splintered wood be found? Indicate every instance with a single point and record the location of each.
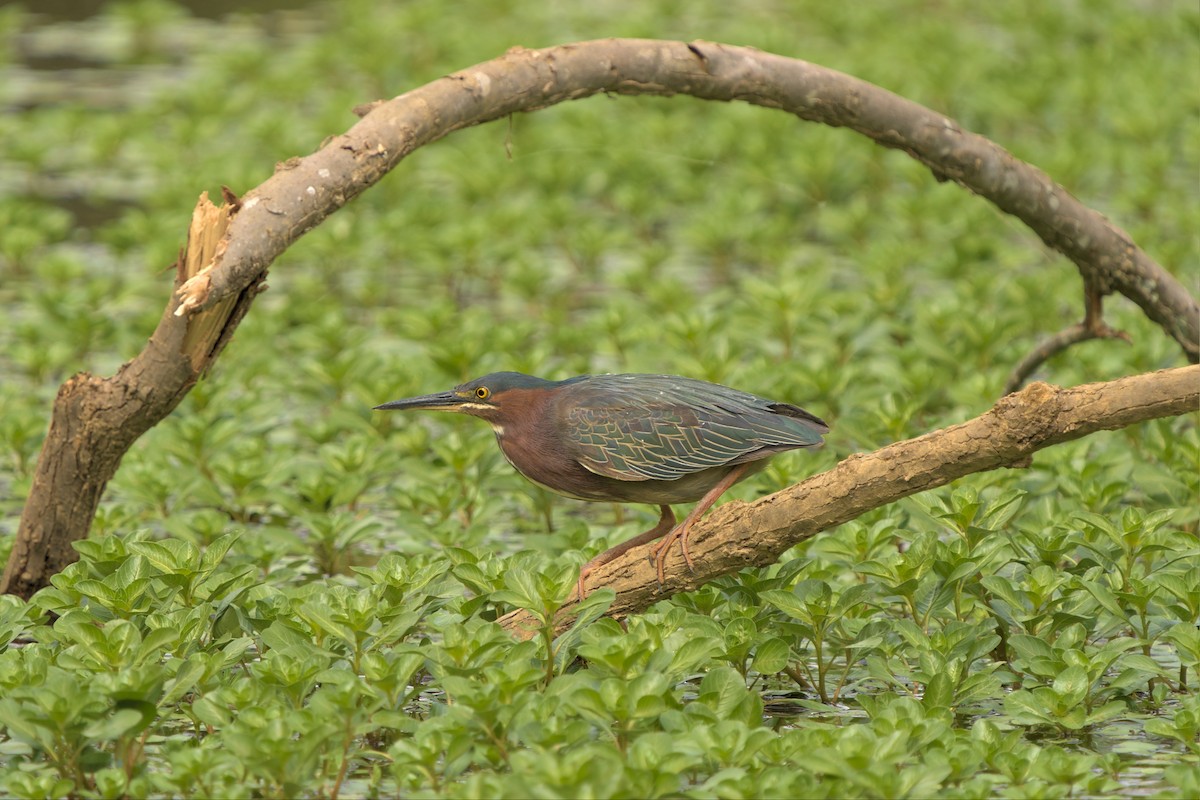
(205, 246)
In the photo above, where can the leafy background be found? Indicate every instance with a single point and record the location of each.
(285, 594)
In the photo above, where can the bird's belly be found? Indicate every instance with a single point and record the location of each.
(687, 489)
(566, 476)
(586, 485)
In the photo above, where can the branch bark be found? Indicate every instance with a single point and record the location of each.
(96, 420)
(738, 535)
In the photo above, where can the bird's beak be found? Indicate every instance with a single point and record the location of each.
(442, 401)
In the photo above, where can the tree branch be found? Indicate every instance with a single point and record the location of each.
(737, 535)
(96, 420)
(1092, 327)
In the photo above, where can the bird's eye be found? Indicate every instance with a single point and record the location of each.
(483, 393)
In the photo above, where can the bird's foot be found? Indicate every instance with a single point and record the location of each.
(580, 586)
(681, 534)
(684, 530)
(586, 569)
(666, 522)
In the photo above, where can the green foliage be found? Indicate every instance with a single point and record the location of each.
(287, 595)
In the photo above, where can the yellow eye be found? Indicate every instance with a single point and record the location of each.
(483, 393)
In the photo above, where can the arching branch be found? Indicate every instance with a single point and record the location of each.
(738, 535)
(310, 188)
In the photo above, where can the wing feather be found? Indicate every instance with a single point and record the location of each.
(658, 427)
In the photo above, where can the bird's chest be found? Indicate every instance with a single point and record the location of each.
(540, 460)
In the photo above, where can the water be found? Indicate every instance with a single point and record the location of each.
(91, 55)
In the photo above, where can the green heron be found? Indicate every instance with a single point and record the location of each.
(657, 439)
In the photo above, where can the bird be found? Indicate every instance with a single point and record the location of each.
(630, 438)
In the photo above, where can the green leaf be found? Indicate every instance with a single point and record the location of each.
(1072, 685)
(1107, 712)
(770, 656)
(168, 555)
(119, 723)
(722, 690)
(209, 712)
(216, 551)
(185, 679)
(1026, 709)
(691, 654)
(1030, 647)
(21, 724)
(522, 589)
(1105, 597)
(939, 692)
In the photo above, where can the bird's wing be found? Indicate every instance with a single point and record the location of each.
(675, 429)
(652, 442)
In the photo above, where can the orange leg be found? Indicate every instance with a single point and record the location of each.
(666, 521)
(683, 531)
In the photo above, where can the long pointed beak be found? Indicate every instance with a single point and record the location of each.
(442, 401)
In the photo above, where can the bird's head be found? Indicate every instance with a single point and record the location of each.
(496, 397)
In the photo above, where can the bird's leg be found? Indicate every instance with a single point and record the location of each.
(666, 521)
(684, 530)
